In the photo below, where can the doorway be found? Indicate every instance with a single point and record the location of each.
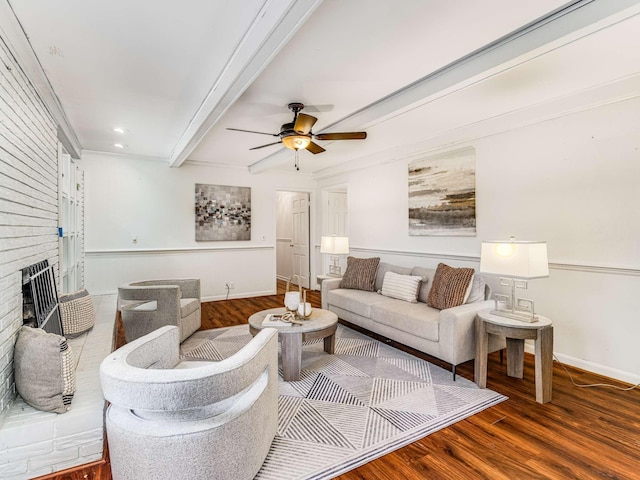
(293, 237)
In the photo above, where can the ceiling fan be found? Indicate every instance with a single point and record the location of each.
(297, 135)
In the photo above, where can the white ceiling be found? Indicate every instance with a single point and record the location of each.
(175, 75)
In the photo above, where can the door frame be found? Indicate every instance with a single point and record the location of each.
(313, 246)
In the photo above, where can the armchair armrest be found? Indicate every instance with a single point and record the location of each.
(327, 285)
(132, 378)
(457, 330)
(190, 287)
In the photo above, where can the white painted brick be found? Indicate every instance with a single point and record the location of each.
(94, 448)
(79, 461)
(18, 454)
(77, 436)
(12, 470)
(54, 457)
(79, 439)
(36, 473)
(17, 435)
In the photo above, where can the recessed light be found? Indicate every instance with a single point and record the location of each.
(118, 145)
(118, 130)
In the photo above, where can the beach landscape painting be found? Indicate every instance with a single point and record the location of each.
(442, 194)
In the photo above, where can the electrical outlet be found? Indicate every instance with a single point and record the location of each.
(229, 284)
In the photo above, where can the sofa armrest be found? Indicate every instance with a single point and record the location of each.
(327, 285)
(457, 331)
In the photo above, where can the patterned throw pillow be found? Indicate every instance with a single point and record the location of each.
(360, 274)
(449, 286)
(77, 313)
(44, 370)
(402, 287)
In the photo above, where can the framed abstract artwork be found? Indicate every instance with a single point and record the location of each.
(442, 194)
(223, 213)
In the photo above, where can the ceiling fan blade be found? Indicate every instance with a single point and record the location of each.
(267, 145)
(304, 123)
(315, 148)
(341, 136)
(253, 131)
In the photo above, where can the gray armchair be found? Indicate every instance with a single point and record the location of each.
(151, 304)
(194, 419)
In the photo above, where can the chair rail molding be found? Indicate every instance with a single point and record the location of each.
(168, 251)
(609, 270)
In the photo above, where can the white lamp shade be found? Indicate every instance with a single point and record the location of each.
(334, 245)
(515, 259)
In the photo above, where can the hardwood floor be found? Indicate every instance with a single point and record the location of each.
(583, 433)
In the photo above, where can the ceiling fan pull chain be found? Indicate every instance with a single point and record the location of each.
(296, 164)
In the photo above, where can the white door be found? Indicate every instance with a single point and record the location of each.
(300, 244)
(338, 214)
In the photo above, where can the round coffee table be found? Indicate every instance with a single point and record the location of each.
(322, 324)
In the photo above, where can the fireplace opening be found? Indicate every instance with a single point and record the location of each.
(40, 298)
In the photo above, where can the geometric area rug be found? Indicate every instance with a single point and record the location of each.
(366, 400)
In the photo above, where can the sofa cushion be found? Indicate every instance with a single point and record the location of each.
(427, 280)
(383, 268)
(355, 301)
(188, 306)
(402, 287)
(414, 318)
(449, 286)
(360, 273)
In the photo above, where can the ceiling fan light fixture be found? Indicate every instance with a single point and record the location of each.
(296, 142)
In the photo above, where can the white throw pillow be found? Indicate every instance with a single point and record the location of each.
(402, 287)
(475, 292)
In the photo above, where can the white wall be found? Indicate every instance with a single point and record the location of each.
(28, 201)
(127, 197)
(572, 181)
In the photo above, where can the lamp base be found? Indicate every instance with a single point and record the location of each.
(523, 317)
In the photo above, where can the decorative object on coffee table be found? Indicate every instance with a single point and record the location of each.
(292, 299)
(515, 262)
(321, 324)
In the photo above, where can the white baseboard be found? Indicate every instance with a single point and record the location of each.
(614, 373)
(214, 298)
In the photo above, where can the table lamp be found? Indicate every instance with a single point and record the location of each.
(334, 246)
(515, 262)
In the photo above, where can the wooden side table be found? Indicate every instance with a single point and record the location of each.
(516, 332)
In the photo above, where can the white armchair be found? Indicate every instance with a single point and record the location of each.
(151, 304)
(170, 419)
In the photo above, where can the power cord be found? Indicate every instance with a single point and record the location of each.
(228, 290)
(595, 384)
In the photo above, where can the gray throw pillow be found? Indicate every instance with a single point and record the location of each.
(360, 274)
(44, 370)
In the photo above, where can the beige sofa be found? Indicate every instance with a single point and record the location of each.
(445, 334)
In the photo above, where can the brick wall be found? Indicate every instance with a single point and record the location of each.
(28, 201)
